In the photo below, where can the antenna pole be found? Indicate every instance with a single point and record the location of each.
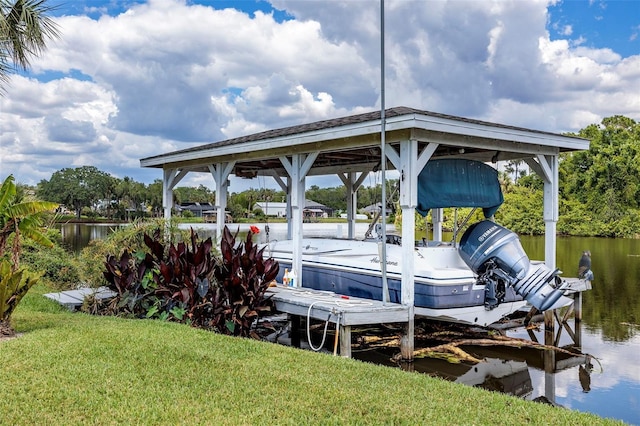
(383, 252)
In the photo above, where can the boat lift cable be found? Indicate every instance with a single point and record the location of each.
(375, 219)
(456, 227)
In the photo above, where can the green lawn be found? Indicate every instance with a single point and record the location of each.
(77, 369)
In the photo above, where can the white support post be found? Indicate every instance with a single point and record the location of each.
(547, 168)
(289, 211)
(550, 211)
(408, 203)
(437, 216)
(352, 206)
(167, 193)
(220, 173)
(170, 178)
(352, 184)
(297, 169)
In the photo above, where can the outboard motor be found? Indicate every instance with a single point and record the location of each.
(496, 255)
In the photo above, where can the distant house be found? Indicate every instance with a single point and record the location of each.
(320, 210)
(198, 209)
(207, 211)
(272, 209)
(311, 209)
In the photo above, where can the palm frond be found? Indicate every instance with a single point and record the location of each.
(25, 29)
(29, 208)
(7, 192)
(32, 232)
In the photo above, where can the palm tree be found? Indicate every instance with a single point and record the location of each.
(24, 31)
(18, 219)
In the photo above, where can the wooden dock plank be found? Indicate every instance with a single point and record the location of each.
(334, 307)
(329, 306)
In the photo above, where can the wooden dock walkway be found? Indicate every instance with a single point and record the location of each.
(343, 311)
(298, 303)
(328, 306)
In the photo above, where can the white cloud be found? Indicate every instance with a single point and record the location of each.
(167, 75)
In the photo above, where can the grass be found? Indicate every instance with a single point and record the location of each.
(78, 369)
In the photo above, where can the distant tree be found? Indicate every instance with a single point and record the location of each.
(78, 188)
(605, 180)
(513, 167)
(336, 198)
(129, 195)
(153, 197)
(25, 29)
(368, 195)
(532, 181)
(186, 194)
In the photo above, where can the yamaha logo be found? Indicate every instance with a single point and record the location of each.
(486, 233)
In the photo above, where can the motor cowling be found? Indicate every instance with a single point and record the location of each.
(496, 255)
(486, 240)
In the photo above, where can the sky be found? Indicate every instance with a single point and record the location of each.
(130, 79)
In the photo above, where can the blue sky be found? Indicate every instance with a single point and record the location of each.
(602, 24)
(132, 79)
(97, 8)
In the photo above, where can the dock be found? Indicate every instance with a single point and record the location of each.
(344, 311)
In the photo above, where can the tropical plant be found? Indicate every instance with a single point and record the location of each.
(169, 284)
(130, 238)
(241, 281)
(24, 31)
(14, 284)
(18, 218)
(187, 283)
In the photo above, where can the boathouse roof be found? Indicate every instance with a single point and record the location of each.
(352, 143)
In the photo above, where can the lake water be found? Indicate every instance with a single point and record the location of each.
(607, 385)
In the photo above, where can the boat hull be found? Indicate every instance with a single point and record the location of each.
(445, 288)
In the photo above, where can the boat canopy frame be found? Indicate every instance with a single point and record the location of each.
(350, 147)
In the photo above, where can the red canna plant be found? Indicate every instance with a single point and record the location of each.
(242, 278)
(188, 283)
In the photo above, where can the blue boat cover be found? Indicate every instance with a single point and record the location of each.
(458, 183)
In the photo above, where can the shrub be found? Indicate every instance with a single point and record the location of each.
(242, 278)
(187, 283)
(129, 238)
(57, 267)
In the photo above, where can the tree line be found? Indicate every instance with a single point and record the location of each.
(599, 193)
(90, 192)
(599, 190)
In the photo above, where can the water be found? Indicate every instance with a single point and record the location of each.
(76, 236)
(608, 385)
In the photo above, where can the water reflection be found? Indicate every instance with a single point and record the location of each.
(494, 374)
(613, 305)
(76, 236)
